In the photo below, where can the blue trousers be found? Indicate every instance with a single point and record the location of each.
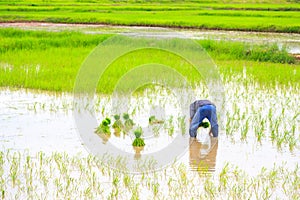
(209, 112)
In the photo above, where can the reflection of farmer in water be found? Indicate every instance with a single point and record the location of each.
(199, 110)
(203, 156)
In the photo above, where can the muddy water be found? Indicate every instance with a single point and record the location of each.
(33, 122)
(290, 41)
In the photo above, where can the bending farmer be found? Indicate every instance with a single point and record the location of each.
(199, 110)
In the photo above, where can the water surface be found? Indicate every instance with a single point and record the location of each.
(38, 121)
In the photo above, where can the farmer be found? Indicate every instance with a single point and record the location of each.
(199, 110)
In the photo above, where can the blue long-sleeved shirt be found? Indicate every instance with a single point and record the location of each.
(199, 103)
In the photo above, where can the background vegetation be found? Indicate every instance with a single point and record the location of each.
(51, 60)
(248, 15)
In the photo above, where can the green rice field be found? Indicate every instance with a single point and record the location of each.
(48, 58)
(278, 16)
(58, 143)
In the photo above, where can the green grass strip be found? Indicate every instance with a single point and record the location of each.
(280, 16)
(51, 60)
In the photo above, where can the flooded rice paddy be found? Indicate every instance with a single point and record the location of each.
(258, 142)
(256, 155)
(39, 121)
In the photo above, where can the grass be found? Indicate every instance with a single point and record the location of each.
(269, 118)
(280, 16)
(51, 60)
(242, 51)
(263, 73)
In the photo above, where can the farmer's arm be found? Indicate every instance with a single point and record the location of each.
(214, 130)
(192, 111)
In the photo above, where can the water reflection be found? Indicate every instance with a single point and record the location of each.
(104, 137)
(20, 123)
(203, 154)
(137, 154)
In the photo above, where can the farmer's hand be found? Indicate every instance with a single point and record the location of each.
(210, 133)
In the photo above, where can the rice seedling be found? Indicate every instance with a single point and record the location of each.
(14, 169)
(210, 189)
(156, 130)
(171, 131)
(223, 178)
(204, 124)
(104, 127)
(292, 142)
(138, 141)
(181, 121)
(128, 122)
(245, 130)
(169, 126)
(233, 182)
(117, 125)
(153, 120)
